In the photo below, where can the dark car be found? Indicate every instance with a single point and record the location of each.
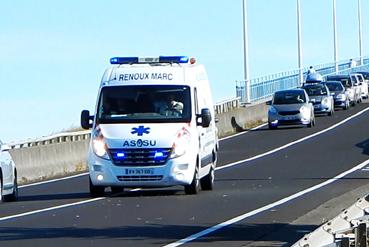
(340, 95)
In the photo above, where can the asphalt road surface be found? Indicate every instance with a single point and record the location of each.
(265, 180)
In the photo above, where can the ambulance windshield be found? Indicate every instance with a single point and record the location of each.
(147, 103)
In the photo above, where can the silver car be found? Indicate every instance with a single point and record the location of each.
(291, 107)
(321, 98)
(8, 175)
(340, 95)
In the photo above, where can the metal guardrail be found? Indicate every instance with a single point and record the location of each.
(227, 105)
(57, 138)
(350, 228)
(264, 87)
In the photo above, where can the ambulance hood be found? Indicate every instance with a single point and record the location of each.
(141, 135)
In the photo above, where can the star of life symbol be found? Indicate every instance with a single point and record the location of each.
(140, 130)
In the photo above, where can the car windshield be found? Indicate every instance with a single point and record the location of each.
(345, 82)
(289, 97)
(365, 75)
(315, 90)
(148, 103)
(335, 86)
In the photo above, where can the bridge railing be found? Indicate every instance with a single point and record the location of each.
(262, 88)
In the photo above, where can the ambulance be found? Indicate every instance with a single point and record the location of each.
(153, 126)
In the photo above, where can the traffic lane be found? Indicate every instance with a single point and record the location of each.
(47, 195)
(154, 220)
(277, 227)
(255, 142)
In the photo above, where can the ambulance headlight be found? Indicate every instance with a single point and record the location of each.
(99, 145)
(181, 144)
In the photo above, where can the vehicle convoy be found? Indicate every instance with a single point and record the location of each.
(352, 88)
(291, 107)
(153, 126)
(320, 97)
(8, 175)
(340, 95)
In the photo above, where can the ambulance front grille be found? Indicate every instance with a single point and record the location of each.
(140, 156)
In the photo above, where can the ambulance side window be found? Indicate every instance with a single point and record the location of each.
(196, 101)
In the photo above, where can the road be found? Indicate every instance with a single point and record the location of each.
(265, 180)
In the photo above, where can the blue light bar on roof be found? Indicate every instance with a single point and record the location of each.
(161, 59)
(123, 60)
(173, 59)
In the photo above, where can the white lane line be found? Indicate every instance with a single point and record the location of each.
(58, 207)
(243, 132)
(292, 143)
(53, 180)
(49, 209)
(264, 208)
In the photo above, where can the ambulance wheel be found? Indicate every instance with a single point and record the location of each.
(194, 187)
(96, 191)
(207, 182)
(116, 189)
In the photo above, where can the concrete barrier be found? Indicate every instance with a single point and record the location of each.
(42, 162)
(241, 119)
(65, 153)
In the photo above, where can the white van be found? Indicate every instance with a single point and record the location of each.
(362, 84)
(153, 126)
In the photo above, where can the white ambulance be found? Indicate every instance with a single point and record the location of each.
(153, 126)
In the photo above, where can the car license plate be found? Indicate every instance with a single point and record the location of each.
(289, 118)
(139, 171)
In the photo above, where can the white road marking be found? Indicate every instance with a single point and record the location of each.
(53, 180)
(264, 208)
(244, 132)
(49, 209)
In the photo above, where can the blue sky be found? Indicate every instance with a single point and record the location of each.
(53, 53)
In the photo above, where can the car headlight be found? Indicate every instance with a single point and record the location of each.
(325, 101)
(305, 112)
(181, 144)
(341, 96)
(272, 110)
(99, 145)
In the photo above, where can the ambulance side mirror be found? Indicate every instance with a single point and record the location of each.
(205, 118)
(85, 119)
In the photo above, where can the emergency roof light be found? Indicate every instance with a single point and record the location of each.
(160, 59)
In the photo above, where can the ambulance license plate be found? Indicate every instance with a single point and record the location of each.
(139, 171)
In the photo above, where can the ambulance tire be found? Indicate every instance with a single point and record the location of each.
(96, 191)
(207, 182)
(194, 187)
(116, 189)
